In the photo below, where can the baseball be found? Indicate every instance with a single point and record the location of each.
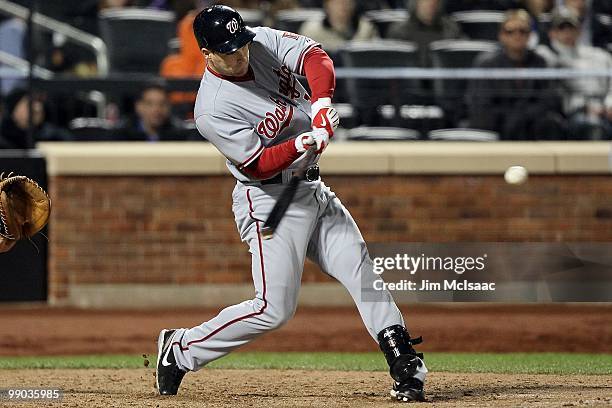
(516, 175)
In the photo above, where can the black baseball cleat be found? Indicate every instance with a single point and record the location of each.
(411, 390)
(168, 375)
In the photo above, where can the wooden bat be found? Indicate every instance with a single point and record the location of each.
(286, 197)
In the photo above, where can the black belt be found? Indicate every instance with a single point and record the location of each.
(312, 174)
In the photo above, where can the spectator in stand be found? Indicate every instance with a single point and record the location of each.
(582, 8)
(342, 23)
(15, 123)
(587, 101)
(12, 34)
(516, 108)
(188, 63)
(537, 9)
(425, 24)
(152, 121)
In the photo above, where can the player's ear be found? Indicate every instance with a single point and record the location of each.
(205, 51)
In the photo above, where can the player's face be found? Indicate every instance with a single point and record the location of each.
(234, 64)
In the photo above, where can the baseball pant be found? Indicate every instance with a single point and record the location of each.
(316, 226)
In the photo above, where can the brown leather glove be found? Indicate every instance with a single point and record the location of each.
(24, 209)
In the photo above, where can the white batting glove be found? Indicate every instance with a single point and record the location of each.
(324, 117)
(304, 142)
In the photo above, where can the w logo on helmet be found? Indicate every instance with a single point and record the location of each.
(232, 26)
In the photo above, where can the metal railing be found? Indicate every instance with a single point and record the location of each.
(96, 44)
(23, 66)
(471, 73)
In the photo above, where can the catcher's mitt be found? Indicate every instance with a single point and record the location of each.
(24, 209)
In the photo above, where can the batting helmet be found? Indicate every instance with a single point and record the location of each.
(221, 29)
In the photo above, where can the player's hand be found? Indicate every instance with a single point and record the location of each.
(317, 139)
(324, 117)
(304, 142)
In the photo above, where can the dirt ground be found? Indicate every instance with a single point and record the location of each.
(275, 388)
(502, 328)
(463, 327)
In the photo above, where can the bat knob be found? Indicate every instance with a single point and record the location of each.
(267, 232)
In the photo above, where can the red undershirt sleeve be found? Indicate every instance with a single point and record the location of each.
(319, 71)
(272, 160)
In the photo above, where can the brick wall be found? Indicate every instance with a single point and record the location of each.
(181, 229)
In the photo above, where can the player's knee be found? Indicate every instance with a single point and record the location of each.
(276, 317)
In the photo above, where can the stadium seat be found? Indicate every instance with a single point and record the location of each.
(602, 30)
(92, 130)
(347, 115)
(452, 6)
(367, 133)
(450, 93)
(464, 134)
(292, 20)
(367, 94)
(419, 117)
(382, 19)
(544, 23)
(137, 39)
(480, 24)
(252, 17)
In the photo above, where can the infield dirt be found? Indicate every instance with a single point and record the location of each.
(296, 388)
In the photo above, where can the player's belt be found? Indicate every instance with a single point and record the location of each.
(312, 174)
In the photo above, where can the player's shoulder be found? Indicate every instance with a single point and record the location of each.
(269, 36)
(208, 96)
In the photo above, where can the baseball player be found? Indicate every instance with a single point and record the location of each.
(251, 107)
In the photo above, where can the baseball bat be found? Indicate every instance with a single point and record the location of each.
(286, 197)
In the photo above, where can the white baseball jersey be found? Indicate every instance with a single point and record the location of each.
(242, 116)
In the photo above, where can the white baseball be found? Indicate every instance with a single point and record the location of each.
(516, 175)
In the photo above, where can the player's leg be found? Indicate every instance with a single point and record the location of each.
(339, 249)
(277, 266)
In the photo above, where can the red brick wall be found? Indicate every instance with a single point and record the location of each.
(181, 229)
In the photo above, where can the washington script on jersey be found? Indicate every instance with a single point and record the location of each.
(275, 122)
(426, 285)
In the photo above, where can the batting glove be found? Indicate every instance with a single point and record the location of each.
(304, 142)
(324, 117)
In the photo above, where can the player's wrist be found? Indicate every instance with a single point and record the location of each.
(319, 104)
(326, 118)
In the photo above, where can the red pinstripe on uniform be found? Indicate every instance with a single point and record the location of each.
(263, 277)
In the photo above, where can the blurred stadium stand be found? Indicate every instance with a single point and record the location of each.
(137, 39)
(602, 30)
(91, 129)
(253, 18)
(292, 19)
(464, 134)
(480, 24)
(369, 134)
(450, 93)
(91, 104)
(383, 18)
